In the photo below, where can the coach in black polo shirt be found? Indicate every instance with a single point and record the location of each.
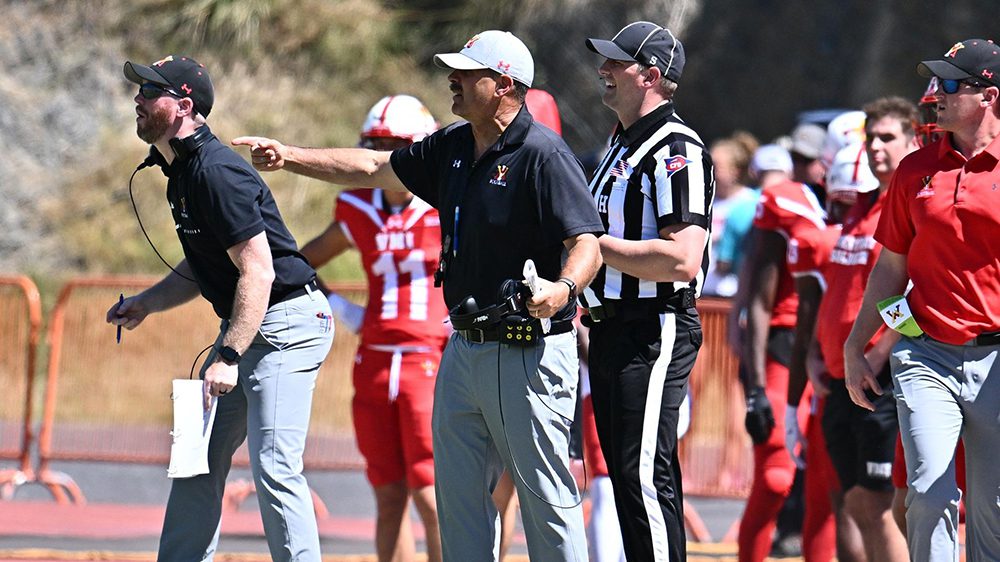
(276, 327)
(507, 190)
(654, 192)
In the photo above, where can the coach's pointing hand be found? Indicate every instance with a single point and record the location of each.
(267, 155)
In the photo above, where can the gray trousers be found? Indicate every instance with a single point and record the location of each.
(270, 407)
(944, 392)
(495, 406)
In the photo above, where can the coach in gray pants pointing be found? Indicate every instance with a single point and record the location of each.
(507, 190)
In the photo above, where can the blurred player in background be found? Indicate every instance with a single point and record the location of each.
(847, 179)
(402, 331)
(786, 209)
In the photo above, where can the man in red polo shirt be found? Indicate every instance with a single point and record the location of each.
(941, 210)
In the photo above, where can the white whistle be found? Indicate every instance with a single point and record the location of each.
(531, 280)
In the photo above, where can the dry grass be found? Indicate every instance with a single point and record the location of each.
(305, 72)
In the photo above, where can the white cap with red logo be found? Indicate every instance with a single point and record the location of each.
(497, 50)
(399, 117)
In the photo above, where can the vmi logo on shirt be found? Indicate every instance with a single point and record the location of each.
(927, 190)
(500, 176)
(429, 367)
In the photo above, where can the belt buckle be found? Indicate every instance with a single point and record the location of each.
(688, 300)
(475, 335)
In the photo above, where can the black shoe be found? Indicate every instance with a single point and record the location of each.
(787, 546)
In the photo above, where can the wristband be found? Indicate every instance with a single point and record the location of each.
(896, 314)
(569, 283)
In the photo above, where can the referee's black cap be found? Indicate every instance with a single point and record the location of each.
(645, 43)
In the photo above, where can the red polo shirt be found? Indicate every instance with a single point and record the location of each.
(851, 261)
(788, 208)
(943, 212)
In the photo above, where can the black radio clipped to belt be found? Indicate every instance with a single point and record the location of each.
(518, 327)
(507, 322)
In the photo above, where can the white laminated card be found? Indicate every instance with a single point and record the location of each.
(192, 429)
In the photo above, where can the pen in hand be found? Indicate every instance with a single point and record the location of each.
(118, 335)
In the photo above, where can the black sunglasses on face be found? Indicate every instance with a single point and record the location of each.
(952, 86)
(152, 91)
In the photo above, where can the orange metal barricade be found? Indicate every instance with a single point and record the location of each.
(716, 454)
(20, 323)
(111, 402)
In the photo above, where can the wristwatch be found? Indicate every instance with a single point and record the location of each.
(569, 283)
(229, 355)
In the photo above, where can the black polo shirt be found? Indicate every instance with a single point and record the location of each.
(522, 199)
(218, 200)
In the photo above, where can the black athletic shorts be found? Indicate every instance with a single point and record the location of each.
(862, 444)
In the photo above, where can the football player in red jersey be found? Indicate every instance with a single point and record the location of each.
(402, 331)
(785, 210)
(848, 178)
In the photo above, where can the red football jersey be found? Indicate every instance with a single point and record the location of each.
(851, 262)
(400, 254)
(809, 253)
(788, 208)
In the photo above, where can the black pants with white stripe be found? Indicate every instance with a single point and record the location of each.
(639, 368)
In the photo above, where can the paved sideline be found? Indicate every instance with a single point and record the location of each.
(97, 522)
(701, 553)
(122, 518)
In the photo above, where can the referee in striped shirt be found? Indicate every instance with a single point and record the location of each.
(654, 192)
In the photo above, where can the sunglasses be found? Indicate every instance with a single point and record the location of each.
(952, 86)
(152, 91)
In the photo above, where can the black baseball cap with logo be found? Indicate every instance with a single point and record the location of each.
(972, 58)
(181, 74)
(645, 43)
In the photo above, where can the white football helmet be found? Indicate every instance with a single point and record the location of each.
(844, 130)
(849, 174)
(398, 117)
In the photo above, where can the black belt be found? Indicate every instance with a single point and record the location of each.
(476, 335)
(990, 338)
(294, 293)
(641, 307)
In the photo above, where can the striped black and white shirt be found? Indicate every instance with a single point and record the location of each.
(656, 174)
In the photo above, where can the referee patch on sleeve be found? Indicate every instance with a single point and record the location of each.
(674, 164)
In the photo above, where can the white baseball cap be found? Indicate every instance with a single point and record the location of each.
(497, 50)
(807, 139)
(849, 173)
(771, 157)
